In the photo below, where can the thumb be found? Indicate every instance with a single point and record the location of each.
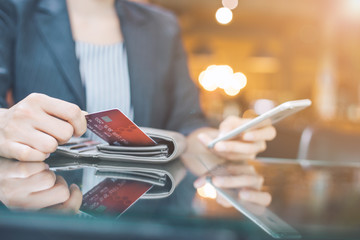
(199, 182)
(204, 138)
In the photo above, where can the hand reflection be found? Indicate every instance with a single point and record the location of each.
(31, 185)
(242, 177)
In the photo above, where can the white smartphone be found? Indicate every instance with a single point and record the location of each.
(261, 216)
(276, 114)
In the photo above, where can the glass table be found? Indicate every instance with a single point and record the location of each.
(317, 199)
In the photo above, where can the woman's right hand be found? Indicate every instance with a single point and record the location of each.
(31, 185)
(33, 128)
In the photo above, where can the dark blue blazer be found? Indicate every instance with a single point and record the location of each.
(37, 54)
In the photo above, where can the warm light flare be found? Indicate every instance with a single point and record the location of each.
(207, 191)
(232, 91)
(207, 79)
(240, 80)
(224, 15)
(230, 4)
(351, 9)
(223, 77)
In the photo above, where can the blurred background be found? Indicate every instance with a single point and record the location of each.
(256, 54)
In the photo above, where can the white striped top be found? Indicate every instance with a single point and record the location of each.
(105, 75)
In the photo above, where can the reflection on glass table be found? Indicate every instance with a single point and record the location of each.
(120, 184)
(318, 199)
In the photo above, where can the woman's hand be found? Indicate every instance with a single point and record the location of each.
(33, 128)
(241, 177)
(243, 147)
(31, 185)
(72, 205)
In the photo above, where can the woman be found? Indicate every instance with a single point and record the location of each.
(96, 55)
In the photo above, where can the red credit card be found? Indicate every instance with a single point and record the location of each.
(117, 129)
(112, 197)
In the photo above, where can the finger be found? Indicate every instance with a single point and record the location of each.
(18, 169)
(230, 169)
(252, 181)
(17, 191)
(204, 138)
(35, 183)
(238, 169)
(59, 193)
(222, 201)
(72, 205)
(75, 200)
(240, 147)
(23, 152)
(38, 140)
(61, 130)
(66, 111)
(261, 134)
(250, 113)
(236, 157)
(261, 198)
(230, 123)
(233, 169)
(201, 181)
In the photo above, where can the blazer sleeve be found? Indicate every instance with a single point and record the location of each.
(7, 36)
(186, 114)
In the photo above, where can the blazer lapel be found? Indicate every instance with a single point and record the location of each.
(54, 25)
(133, 26)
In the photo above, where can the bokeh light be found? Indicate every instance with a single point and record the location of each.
(230, 4)
(224, 15)
(232, 91)
(208, 79)
(223, 77)
(352, 9)
(240, 80)
(354, 4)
(207, 191)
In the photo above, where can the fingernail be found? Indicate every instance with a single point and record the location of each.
(218, 181)
(221, 134)
(245, 195)
(47, 166)
(221, 147)
(199, 182)
(47, 155)
(248, 136)
(72, 186)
